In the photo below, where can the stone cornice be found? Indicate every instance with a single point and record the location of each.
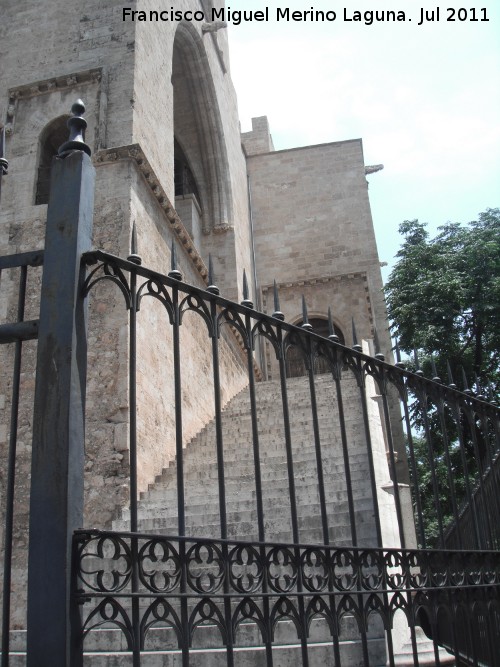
(56, 82)
(321, 280)
(135, 153)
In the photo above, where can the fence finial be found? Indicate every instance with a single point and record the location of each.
(436, 377)
(305, 319)
(465, 383)
(246, 300)
(399, 363)
(376, 345)
(480, 395)
(277, 312)
(134, 256)
(355, 345)
(418, 370)
(174, 272)
(4, 164)
(331, 329)
(77, 126)
(451, 382)
(212, 287)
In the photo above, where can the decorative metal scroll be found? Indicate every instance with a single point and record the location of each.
(333, 583)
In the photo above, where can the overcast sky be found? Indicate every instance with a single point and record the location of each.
(424, 99)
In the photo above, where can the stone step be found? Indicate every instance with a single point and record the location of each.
(285, 654)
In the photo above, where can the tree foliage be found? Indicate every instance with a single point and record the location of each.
(443, 296)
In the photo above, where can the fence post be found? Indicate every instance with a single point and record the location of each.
(56, 504)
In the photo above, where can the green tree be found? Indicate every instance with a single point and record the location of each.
(443, 297)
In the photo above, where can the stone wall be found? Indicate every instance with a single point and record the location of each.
(312, 224)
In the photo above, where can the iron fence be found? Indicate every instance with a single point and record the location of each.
(452, 594)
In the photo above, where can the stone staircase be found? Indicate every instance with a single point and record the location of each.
(106, 647)
(158, 506)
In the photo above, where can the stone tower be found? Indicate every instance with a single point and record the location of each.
(172, 165)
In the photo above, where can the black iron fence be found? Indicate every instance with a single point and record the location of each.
(140, 582)
(355, 510)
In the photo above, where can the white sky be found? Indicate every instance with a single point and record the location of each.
(424, 99)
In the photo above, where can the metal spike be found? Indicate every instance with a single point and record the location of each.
(174, 272)
(451, 383)
(331, 329)
(4, 165)
(277, 312)
(305, 319)
(399, 363)
(77, 126)
(376, 345)
(212, 287)
(479, 392)
(133, 240)
(245, 285)
(465, 383)
(355, 345)
(134, 256)
(418, 370)
(246, 301)
(436, 377)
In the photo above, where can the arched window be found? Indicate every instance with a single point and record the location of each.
(53, 136)
(295, 366)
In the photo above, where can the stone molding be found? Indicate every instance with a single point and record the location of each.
(135, 153)
(320, 280)
(35, 88)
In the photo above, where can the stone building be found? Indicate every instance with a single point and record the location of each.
(171, 163)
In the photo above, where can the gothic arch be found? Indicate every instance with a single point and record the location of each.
(198, 127)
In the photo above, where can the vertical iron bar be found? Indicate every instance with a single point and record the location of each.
(11, 474)
(133, 467)
(435, 486)
(345, 455)
(288, 445)
(4, 165)
(471, 501)
(446, 445)
(291, 489)
(373, 481)
(493, 473)
(221, 481)
(181, 505)
(392, 458)
(336, 372)
(258, 484)
(421, 530)
(181, 512)
(317, 447)
(481, 478)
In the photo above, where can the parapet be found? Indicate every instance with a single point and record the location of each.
(259, 140)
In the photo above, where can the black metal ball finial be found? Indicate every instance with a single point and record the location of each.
(77, 126)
